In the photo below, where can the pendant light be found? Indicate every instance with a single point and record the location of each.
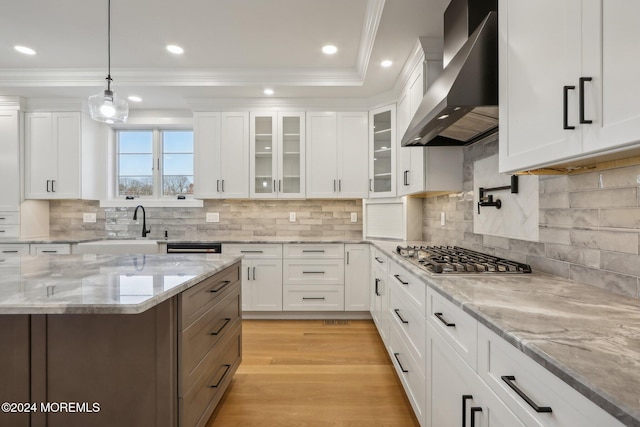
(107, 107)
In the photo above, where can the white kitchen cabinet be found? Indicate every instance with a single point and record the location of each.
(502, 367)
(455, 394)
(313, 298)
(222, 155)
(50, 248)
(14, 249)
(337, 161)
(382, 152)
(566, 92)
(277, 155)
(63, 159)
(261, 275)
(9, 161)
(356, 277)
(379, 303)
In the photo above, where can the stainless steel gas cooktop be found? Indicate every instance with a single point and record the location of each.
(456, 260)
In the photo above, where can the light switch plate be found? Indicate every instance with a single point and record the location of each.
(442, 218)
(89, 217)
(354, 216)
(213, 217)
(292, 217)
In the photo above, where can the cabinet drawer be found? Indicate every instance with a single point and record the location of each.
(458, 328)
(410, 322)
(195, 301)
(50, 248)
(407, 368)
(313, 272)
(204, 333)
(497, 359)
(9, 218)
(14, 249)
(414, 288)
(9, 231)
(313, 298)
(214, 375)
(254, 250)
(380, 261)
(320, 250)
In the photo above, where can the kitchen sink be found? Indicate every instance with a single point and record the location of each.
(114, 246)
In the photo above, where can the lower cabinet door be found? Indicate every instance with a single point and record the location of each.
(265, 285)
(313, 298)
(455, 394)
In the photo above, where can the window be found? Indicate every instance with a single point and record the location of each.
(154, 163)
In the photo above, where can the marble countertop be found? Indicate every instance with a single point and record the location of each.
(588, 337)
(100, 284)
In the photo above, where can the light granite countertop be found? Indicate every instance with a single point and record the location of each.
(588, 337)
(100, 284)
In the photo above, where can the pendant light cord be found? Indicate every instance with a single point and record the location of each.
(109, 46)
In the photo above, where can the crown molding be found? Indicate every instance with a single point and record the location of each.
(278, 104)
(11, 102)
(373, 15)
(56, 104)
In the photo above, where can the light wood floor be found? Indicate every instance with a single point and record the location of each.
(311, 373)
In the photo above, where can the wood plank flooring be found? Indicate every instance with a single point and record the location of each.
(313, 373)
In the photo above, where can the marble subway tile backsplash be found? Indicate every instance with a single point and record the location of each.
(253, 220)
(589, 225)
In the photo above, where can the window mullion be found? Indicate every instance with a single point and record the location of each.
(157, 163)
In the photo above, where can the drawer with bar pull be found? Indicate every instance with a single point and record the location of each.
(313, 298)
(313, 272)
(316, 250)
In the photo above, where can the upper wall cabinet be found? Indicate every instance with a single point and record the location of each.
(568, 91)
(382, 148)
(337, 160)
(222, 155)
(10, 160)
(277, 159)
(63, 156)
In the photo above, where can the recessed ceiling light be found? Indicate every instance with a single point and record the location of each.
(25, 50)
(177, 50)
(268, 91)
(135, 98)
(329, 49)
(386, 63)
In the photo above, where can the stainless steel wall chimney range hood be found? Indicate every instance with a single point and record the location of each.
(461, 106)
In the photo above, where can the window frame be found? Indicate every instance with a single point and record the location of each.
(157, 163)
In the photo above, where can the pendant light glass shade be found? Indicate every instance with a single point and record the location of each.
(107, 107)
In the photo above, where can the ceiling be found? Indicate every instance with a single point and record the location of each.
(233, 49)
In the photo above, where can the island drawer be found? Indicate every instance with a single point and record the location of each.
(313, 298)
(195, 301)
(214, 375)
(205, 333)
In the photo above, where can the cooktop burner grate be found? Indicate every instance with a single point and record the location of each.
(454, 259)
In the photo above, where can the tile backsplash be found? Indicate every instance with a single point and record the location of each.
(251, 220)
(589, 225)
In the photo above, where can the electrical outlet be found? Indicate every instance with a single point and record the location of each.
(213, 217)
(442, 218)
(89, 217)
(354, 216)
(292, 217)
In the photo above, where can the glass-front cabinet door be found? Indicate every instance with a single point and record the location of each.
(382, 164)
(277, 155)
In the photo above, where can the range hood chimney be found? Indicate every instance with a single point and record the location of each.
(461, 106)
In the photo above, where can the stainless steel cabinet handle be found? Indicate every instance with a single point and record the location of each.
(251, 252)
(248, 273)
(53, 183)
(218, 185)
(334, 185)
(254, 273)
(347, 257)
(9, 252)
(274, 185)
(313, 272)
(313, 298)
(49, 252)
(279, 185)
(313, 250)
(223, 185)
(48, 181)
(340, 185)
